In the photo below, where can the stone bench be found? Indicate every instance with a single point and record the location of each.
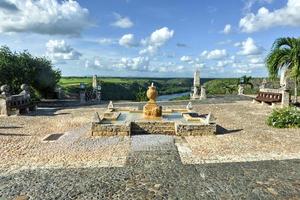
(268, 97)
(20, 102)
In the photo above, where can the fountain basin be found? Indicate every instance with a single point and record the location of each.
(130, 121)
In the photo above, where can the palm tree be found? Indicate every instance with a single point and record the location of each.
(246, 80)
(285, 52)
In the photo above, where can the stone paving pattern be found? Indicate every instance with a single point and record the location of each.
(149, 167)
(156, 172)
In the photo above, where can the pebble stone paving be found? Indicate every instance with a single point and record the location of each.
(153, 170)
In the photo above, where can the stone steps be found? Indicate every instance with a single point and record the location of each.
(145, 132)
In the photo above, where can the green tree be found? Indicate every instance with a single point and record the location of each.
(141, 95)
(18, 68)
(285, 52)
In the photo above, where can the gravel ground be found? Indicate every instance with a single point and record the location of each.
(22, 147)
(244, 136)
(158, 173)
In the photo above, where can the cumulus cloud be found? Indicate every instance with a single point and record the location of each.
(248, 47)
(265, 19)
(227, 29)
(135, 64)
(45, 17)
(122, 22)
(59, 50)
(157, 39)
(161, 36)
(128, 40)
(214, 54)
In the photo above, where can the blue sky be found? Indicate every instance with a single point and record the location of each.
(157, 38)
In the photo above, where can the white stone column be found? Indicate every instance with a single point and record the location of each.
(203, 93)
(285, 101)
(241, 90)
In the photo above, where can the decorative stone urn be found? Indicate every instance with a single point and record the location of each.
(151, 109)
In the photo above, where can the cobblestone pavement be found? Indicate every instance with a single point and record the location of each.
(153, 170)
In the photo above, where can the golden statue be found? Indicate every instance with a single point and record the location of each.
(151, 109)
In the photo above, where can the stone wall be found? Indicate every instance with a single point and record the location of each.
(153, 127)
(99, 129)
(195, 129)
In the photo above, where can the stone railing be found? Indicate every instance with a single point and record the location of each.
(20, 102)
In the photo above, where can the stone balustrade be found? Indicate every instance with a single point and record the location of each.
(20, 102)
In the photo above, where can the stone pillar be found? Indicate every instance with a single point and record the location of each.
(58, 90)
(285, 98)
(263, 84)
(82, 93)
(98, 96)
(4, 107)
(82, 96)
(95, 83)
(203, 93)
(241, 90)
(4, 110)
(196, 86)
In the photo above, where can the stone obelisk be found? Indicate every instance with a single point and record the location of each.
(196, 86)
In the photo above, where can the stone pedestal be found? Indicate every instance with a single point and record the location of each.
(285, 98)
(152, 110)
(4, 111)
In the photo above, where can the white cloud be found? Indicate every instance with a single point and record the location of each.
(223, 63)
(227, 29)
(264, 19)
(151, 50)
(248, 47)
(161, 36)
(250, 3)
(214, 54)
(105, 41)
(135, 64)
(128, 40)
(186, 59)
(157, 39)
(45, 17)
(122, 22)
(59, 50)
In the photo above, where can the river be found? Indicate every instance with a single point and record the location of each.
(168, 97)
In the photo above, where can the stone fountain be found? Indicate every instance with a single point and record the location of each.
(152, 119)
(151, 110)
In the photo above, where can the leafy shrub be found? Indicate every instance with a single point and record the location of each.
(284, 118)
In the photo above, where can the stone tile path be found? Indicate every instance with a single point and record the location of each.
(153, 170)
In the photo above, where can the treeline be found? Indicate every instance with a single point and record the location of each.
(17, 68)
(128, 88)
